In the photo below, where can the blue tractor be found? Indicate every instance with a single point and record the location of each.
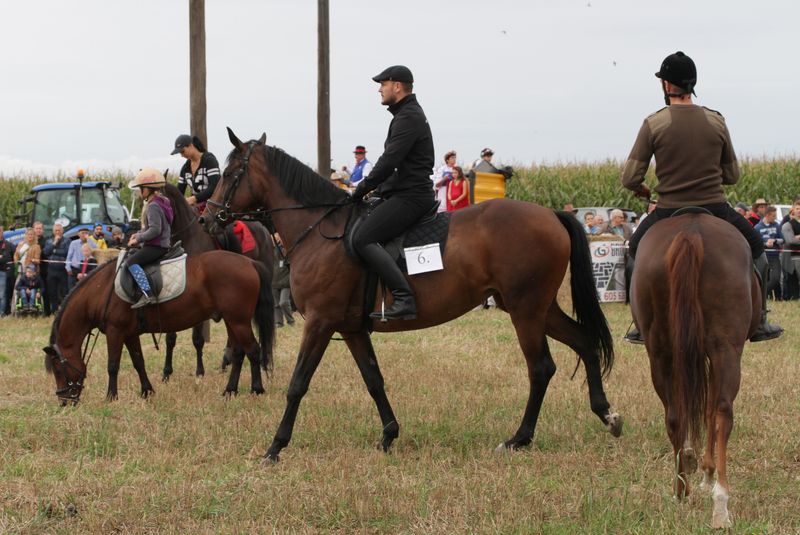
(76, 205)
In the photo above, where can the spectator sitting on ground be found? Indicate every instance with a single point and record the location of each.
(589, 225)
(770, 231)
(29, 286)
(618, 226)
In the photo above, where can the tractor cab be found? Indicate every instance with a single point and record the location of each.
(75, 205)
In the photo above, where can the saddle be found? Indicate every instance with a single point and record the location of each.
(433, 227)
(167, 277)
(690, 210)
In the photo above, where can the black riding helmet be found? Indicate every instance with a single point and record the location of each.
(678, 69)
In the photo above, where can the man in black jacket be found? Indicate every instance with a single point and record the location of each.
(6, 263)
(402, 177)
(55, 252)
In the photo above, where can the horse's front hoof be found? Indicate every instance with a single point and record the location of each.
(147, 393)
(165, 378)
(230, 394)
(614, 424)
(112, 396)
(501, 448)
(270, 459)
(257, 391)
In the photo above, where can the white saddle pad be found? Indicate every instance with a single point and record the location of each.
(173, 276)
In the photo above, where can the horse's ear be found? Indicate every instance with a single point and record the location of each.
(263, 138)
(235, 140)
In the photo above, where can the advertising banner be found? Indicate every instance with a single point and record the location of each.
(608, 264)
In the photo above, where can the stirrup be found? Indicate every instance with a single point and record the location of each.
(633, 336)
(144, 301)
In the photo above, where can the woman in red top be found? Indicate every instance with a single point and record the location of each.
(457, 191)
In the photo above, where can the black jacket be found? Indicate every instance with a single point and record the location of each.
(56, 252)
(6, 257)
(407, 160)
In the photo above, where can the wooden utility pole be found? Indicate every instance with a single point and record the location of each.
(323, 90)
(197, 69)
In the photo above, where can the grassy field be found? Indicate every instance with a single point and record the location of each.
(188, 461)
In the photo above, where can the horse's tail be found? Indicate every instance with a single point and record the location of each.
(689, 368)
(585, 302)
(265, 314)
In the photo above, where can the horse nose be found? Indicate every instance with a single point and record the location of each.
(202, 220)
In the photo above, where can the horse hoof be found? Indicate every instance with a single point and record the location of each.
(501, 448)
(270, 459)
(147, 393)
(614, 424)
(229, 394)
(111, 397)
(257, 391)
(165, 378)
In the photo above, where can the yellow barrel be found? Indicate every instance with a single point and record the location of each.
(489, 186)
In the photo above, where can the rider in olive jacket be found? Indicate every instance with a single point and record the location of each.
(402, 177)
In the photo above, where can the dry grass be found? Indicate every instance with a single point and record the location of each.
(187, 461)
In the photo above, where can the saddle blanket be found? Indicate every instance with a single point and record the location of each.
(173, 280)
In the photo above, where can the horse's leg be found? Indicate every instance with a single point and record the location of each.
(137, 358)
(227, 356)
(567, 331)
(728, 376)
(312, 347)
(236, 369)
(254, 356)
(199, 341)
(708, 466)
(541, 368)
(360, 346)
(172, 339)
(114, 345)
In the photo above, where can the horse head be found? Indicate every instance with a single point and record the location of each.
(230, 198)
(69, 372)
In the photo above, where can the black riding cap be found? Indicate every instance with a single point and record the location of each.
(395, 73)
(183, 140)
(678, 69)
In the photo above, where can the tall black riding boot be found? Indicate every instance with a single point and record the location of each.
(633, 335)
(766, 331)
(404, 306)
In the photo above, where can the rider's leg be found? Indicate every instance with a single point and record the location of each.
(388, 220)
(766, 330)
(141, 280)
(633, 335)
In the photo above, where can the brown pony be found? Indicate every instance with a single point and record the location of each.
(696, 300)
(219, 285)
(515, 251)
(186, 228)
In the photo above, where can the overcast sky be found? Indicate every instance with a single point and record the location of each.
(104, 84)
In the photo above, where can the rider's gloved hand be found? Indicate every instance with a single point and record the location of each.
(361, 190)
(643, 192)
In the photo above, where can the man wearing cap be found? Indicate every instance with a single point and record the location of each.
(757, 212)
(401, 177)
(200, 172)
(694, 159)
(362, 168)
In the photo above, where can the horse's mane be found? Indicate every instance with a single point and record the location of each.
(299, 181)
(60, 313)
(182, 212)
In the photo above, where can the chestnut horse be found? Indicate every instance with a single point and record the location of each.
(515, 251)
(696, 300)
(186, 227)
(219, 285)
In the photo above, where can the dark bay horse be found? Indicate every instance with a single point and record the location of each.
(219, 285)
(186, 227)
(696, 301)
(516, 251)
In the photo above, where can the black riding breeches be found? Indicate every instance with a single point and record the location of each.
(721, 210)
(391, 218)
(146, 255)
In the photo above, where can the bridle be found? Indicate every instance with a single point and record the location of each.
(72, 390)
(222, 212)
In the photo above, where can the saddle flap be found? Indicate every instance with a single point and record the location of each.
(167, 278)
